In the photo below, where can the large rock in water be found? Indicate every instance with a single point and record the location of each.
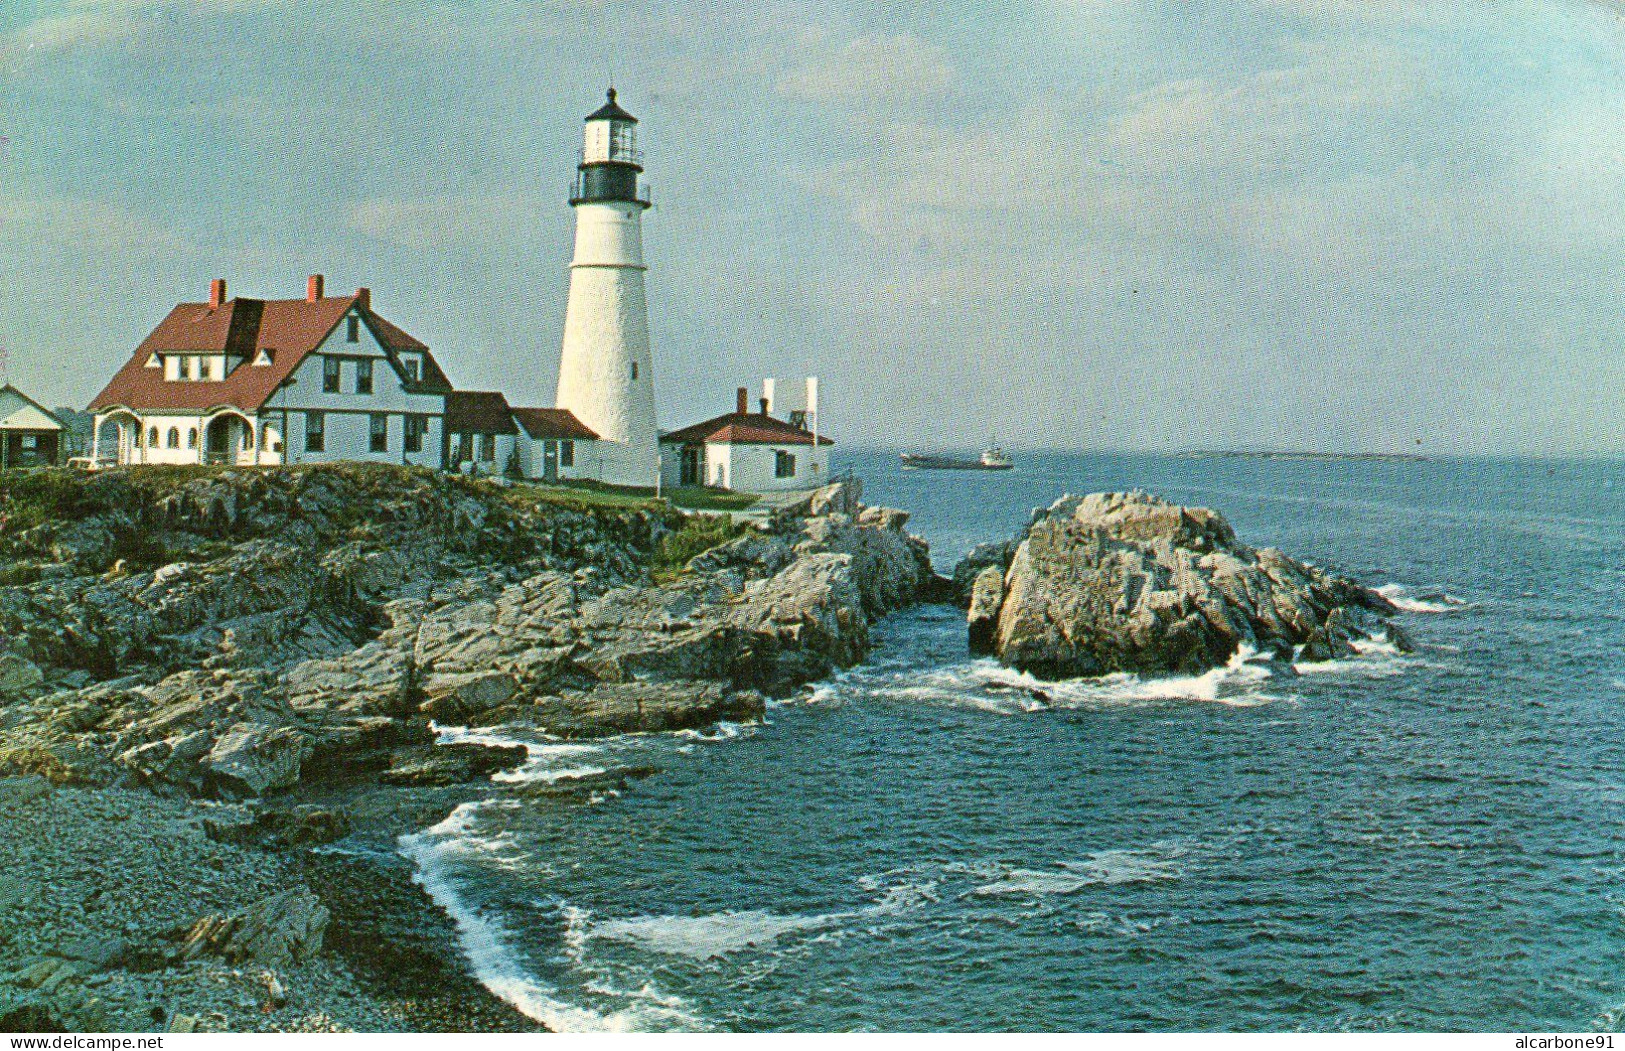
(1130, 582)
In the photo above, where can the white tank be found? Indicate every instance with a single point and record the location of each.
(606, 375)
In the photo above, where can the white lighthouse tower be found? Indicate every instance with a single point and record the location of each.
(605, 373)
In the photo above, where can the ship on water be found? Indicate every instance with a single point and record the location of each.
(992, 459)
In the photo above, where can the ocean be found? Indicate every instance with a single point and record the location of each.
(1430, 841)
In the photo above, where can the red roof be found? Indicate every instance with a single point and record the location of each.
(744, 428)
(288, 330)
(553, 423)
(478, 412)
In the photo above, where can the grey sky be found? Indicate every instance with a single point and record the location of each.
(1334, 224)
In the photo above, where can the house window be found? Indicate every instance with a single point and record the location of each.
(265, 440)
(315, 432)
(248, 438)
(784, 464)
(352, 332)
(363, 377)
(488, 448)
(634, 371)
(379, 432)
(414, 369)
(152, 438)
(174, 437)
(30, 443)
(415, 426)
(331, 370)
(186, 368)
(567, 453)
(203, 369)
(191, 437)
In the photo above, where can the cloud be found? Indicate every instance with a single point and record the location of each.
(873, 70)
(448, 220)
(85, 225)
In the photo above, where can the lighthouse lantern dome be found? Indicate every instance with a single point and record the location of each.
(611, 135)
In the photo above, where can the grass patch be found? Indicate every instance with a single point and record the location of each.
(699, 498)
(584, 495)
(697, 535)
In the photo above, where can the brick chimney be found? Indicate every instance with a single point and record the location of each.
(363, 298)
(742, 401)
(217, 291)
(313, 288)
(763, 402)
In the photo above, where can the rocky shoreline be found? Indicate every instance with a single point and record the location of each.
(226, 696)
(219, 693)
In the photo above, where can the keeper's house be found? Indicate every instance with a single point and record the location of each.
(751, 452)
(30, 435)
(272, 381)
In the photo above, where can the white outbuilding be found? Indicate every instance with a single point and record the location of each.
(749, 452)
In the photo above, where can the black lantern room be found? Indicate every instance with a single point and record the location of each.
(611, 168)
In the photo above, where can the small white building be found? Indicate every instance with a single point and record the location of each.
(273, 381)
(30, 435)
(554, 445)
(750, 452)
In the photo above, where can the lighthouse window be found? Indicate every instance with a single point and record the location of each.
(634, 370)
(784, 464)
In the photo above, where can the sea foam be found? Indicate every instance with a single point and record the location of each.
(488, 943)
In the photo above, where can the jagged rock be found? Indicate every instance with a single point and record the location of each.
(456, 696)
(299, 826)
(982, 557)
(250, 759)
(1131, 582)
(274, 932)
(18, 675)
(450, 764)
(986, 596)
(845, 497)
(303, 623)
(645, 707)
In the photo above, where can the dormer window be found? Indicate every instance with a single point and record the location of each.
(352, 332)
(204, 370)
(186, 368)
(264, 356)
(413, 369)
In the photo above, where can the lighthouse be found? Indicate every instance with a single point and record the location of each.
(606, 376)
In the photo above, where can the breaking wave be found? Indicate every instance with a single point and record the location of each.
(1432, 602)
(488, 943)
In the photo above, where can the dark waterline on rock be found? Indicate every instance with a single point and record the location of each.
(1391, 842)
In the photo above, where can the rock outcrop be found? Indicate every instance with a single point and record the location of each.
(1130, 582)
(277, 931)
(236, 635)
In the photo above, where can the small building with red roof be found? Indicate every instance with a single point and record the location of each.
(752, 452)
